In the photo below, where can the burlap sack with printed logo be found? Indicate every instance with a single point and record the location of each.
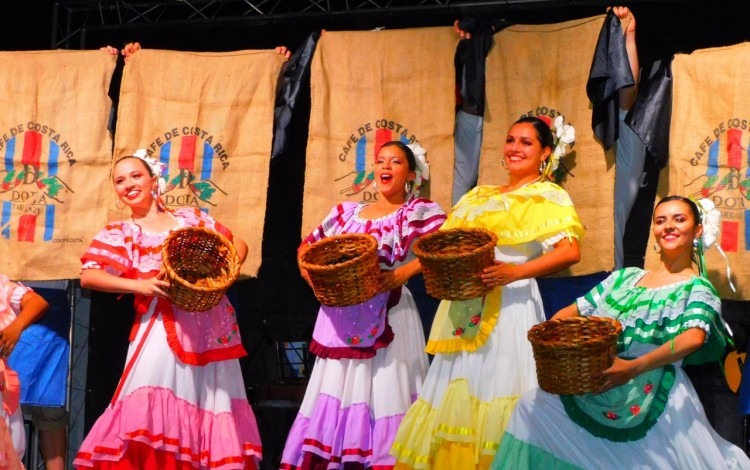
(209, 116)
(56, 152)
(708, 154)
(370, 87)
(542, 71)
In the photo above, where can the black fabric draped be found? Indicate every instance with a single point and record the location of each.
(610, 71)
(471, 64)
(295, 75)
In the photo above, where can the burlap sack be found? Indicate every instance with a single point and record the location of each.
(56, 154)
(370, 87)
(708, 154)
(209, 117)
(542, 71)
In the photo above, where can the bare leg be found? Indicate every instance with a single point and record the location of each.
(53, 445)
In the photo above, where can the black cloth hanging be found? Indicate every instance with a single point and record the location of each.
(294, 75)
(471, 64)
(610, 71)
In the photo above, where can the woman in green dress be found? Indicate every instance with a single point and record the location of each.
(647, 413)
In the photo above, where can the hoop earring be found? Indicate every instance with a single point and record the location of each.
(657, 248)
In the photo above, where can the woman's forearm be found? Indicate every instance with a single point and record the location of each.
(103, 281)
(564, 254)
(682, 345)
(33, 307)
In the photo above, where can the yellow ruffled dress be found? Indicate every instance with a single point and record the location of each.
(483, 361)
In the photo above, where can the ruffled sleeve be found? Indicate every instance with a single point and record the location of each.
(16, 295)
(590, 302)
(333, 222)
(10, 300)
(703, 310)
(110, 250)
(420, 217)
(423, 216)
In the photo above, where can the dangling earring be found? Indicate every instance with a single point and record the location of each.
(408, 186)
(375, 187)
(696, 244)
(657, 248)
(542, 166)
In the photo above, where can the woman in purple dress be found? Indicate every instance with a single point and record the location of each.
(370, 357)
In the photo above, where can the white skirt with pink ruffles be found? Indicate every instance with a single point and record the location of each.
(192, 416)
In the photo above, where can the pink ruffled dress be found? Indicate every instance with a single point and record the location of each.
(181, 401)
(12, 432)
(370, 357)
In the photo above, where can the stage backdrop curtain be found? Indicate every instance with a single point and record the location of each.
(709, 154)
(55, 152)
(370, 87)
(542, 71)
(209, 118)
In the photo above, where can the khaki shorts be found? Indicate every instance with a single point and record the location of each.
(47, 418)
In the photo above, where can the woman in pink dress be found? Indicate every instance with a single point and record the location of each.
(181, 402)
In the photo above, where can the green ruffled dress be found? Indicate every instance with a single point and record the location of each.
(654, 421)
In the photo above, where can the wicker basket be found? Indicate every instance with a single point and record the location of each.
(200, 264)
(453, 259)
(571, 352)
(343, 269)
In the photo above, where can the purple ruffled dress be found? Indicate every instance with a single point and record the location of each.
(371, 358)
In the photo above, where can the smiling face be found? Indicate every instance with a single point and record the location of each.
(675, 227)
(392, 171)
(523, 151)
(133, 182)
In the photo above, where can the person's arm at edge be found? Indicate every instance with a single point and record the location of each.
(33, 307)
(628, 95)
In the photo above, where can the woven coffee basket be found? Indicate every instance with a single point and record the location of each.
(571, 352)
(343, 269)
(200, 264)
(452, 261)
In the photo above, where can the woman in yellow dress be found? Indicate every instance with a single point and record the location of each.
(483, 361)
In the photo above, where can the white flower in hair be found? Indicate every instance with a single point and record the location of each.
(423, 169)
(157, 168)
(565, 135)
(711, 220)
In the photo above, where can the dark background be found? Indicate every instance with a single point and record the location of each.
(277, 306)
